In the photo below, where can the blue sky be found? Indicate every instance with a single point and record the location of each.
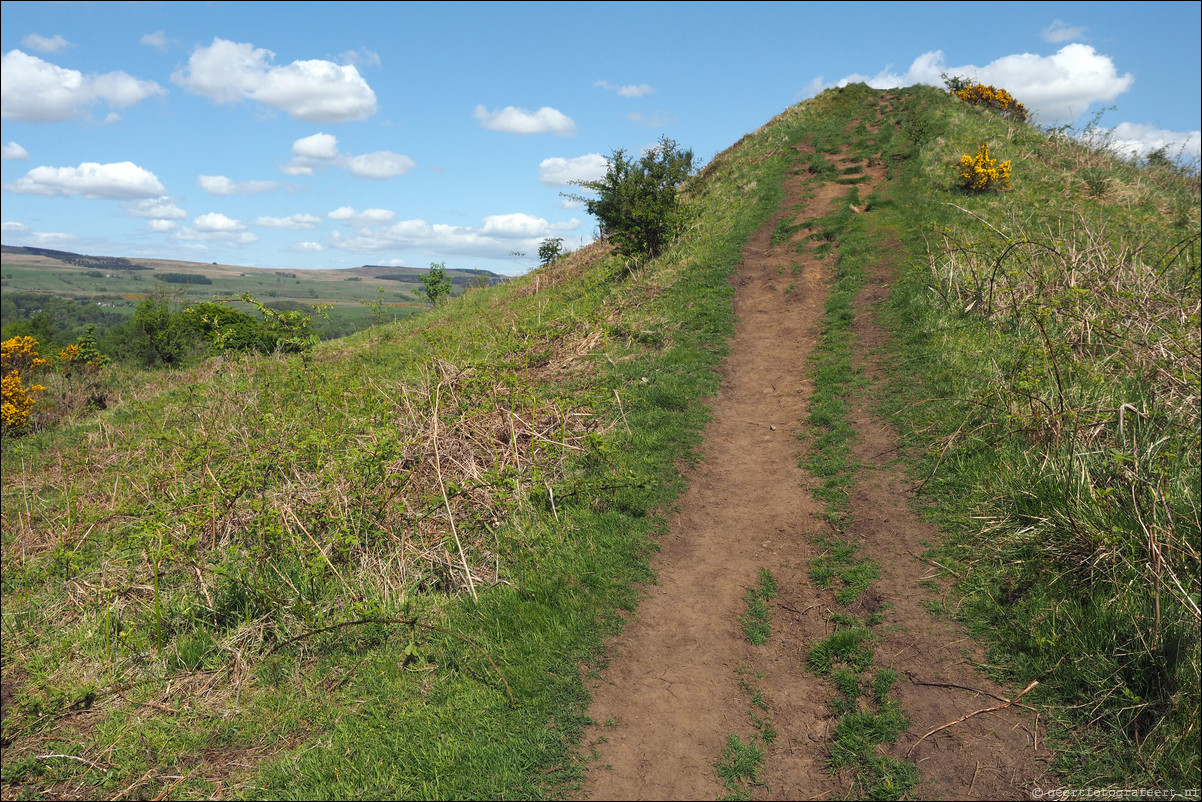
(316, 135)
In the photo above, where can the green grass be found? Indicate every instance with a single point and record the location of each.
(1044, 366)
(757, 618)
(243, 578)
(377, 572)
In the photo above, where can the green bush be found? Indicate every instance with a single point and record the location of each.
(637, 202)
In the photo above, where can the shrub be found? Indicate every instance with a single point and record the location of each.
(435, 285)
(18, 358)
(549, 250)
(980, 173)
(992, 98)
(637, 202)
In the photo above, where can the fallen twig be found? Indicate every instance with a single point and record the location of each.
(970, 715)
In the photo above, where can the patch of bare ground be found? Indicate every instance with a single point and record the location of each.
(670, 698)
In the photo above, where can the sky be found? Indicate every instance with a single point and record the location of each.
(328, 135)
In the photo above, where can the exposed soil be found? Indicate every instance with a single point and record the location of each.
(671, 698)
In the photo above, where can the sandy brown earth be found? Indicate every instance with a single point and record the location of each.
(671, 697)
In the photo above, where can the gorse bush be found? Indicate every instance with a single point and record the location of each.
(980, 173)
(18, 358)
(992, 98)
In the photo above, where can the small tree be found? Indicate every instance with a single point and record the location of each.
(637, 202)
(550, 250)
(435, 285)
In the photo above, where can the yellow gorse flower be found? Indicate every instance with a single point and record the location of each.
(979, 173)
(18, 355)
(993, 98)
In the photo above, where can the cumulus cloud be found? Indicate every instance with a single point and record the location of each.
(217, 227)
(1138, 140)
(1056, 88)
(318, 146)
(11, 227)
(322, 149)
(118, 181)
(367, 217)
(559, 172)
(157, 40)
(1060, 31)
(162, 207)
(311, 90)
(627, 90)
(44, 44)
(307, 247)
(498, 237)
(296, 222)
(220, 185)
(520, 121)
(160, 226)
(379, 165)
(13, 151)
(38, 91)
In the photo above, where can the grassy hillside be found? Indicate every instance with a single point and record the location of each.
(379, 570)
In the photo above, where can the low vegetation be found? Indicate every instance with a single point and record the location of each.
(375, 566)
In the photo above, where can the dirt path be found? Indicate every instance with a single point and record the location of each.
(671, 697)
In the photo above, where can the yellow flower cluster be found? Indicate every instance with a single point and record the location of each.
(18, 356)
(993, 98)
(980, 173)
(74, 357)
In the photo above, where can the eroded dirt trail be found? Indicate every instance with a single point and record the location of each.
(671, 696)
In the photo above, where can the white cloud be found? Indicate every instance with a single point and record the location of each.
(497, 238)
(307, 247)
(520, 121)
(220, 185)
(312, 90)
(160, 226)
(360, 58)
(1135, 139)
(44, 44)
(294, 222)
(13, 228)
(559, 172)
(217, 222)
(54, 239)
(14, 152)
(381, 164)
(38, 91)
(157, 40)
(163, 208)
(217, 227)
(318, 149)
(627, 90)
(1060, 31)
(119, 181)
(367, 217)
(1056, 88)
(318, 146)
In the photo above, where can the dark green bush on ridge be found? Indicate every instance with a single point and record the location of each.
(637, 202)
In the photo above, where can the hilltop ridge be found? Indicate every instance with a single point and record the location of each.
(874, 446)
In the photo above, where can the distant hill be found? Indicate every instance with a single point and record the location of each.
(459, 276)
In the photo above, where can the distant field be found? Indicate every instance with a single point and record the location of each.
(348, 291)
